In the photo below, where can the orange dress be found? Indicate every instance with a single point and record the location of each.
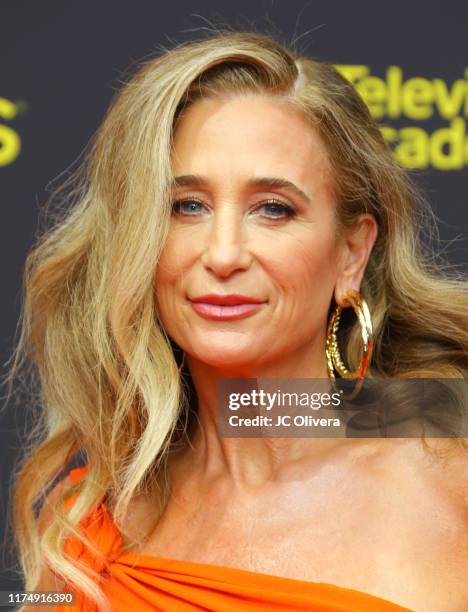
(140, 583)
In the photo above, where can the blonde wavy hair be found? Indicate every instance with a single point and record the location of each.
(108, 382)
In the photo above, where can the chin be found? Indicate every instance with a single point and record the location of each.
(226, 357)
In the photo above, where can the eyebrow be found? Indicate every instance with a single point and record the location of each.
(264, 182)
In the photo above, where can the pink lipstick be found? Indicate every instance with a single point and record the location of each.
(225, 307)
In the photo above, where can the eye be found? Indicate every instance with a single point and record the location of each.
(278, 210)
(189, 206)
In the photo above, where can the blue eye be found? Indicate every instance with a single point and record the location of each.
(179, 208)
(284, 210)
(278, 210)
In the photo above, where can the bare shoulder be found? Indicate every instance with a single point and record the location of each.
(48, 580)
(432, 487)
(450, 465)
(140, 521)
(420, 503)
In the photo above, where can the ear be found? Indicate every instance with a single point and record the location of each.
(356, 247)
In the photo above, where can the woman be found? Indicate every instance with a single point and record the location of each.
(231, 166)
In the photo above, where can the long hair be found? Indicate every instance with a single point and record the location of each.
(109, 383)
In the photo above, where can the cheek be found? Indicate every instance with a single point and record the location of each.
(181, 250)
(167, 278)
(307, 258)
(305, 270)
(316, 263)
(172, 261)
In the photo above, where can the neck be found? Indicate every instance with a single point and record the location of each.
(251, 463)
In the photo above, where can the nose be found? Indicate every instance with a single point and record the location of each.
(226, 249)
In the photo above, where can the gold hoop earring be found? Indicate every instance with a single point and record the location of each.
(334, 360)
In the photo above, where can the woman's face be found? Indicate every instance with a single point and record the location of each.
(253, 214)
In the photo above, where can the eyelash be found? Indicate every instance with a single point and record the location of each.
(288, 210)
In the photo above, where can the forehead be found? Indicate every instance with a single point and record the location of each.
(248, 135)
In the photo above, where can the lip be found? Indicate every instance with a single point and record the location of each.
(230, 299)
(225, 307)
